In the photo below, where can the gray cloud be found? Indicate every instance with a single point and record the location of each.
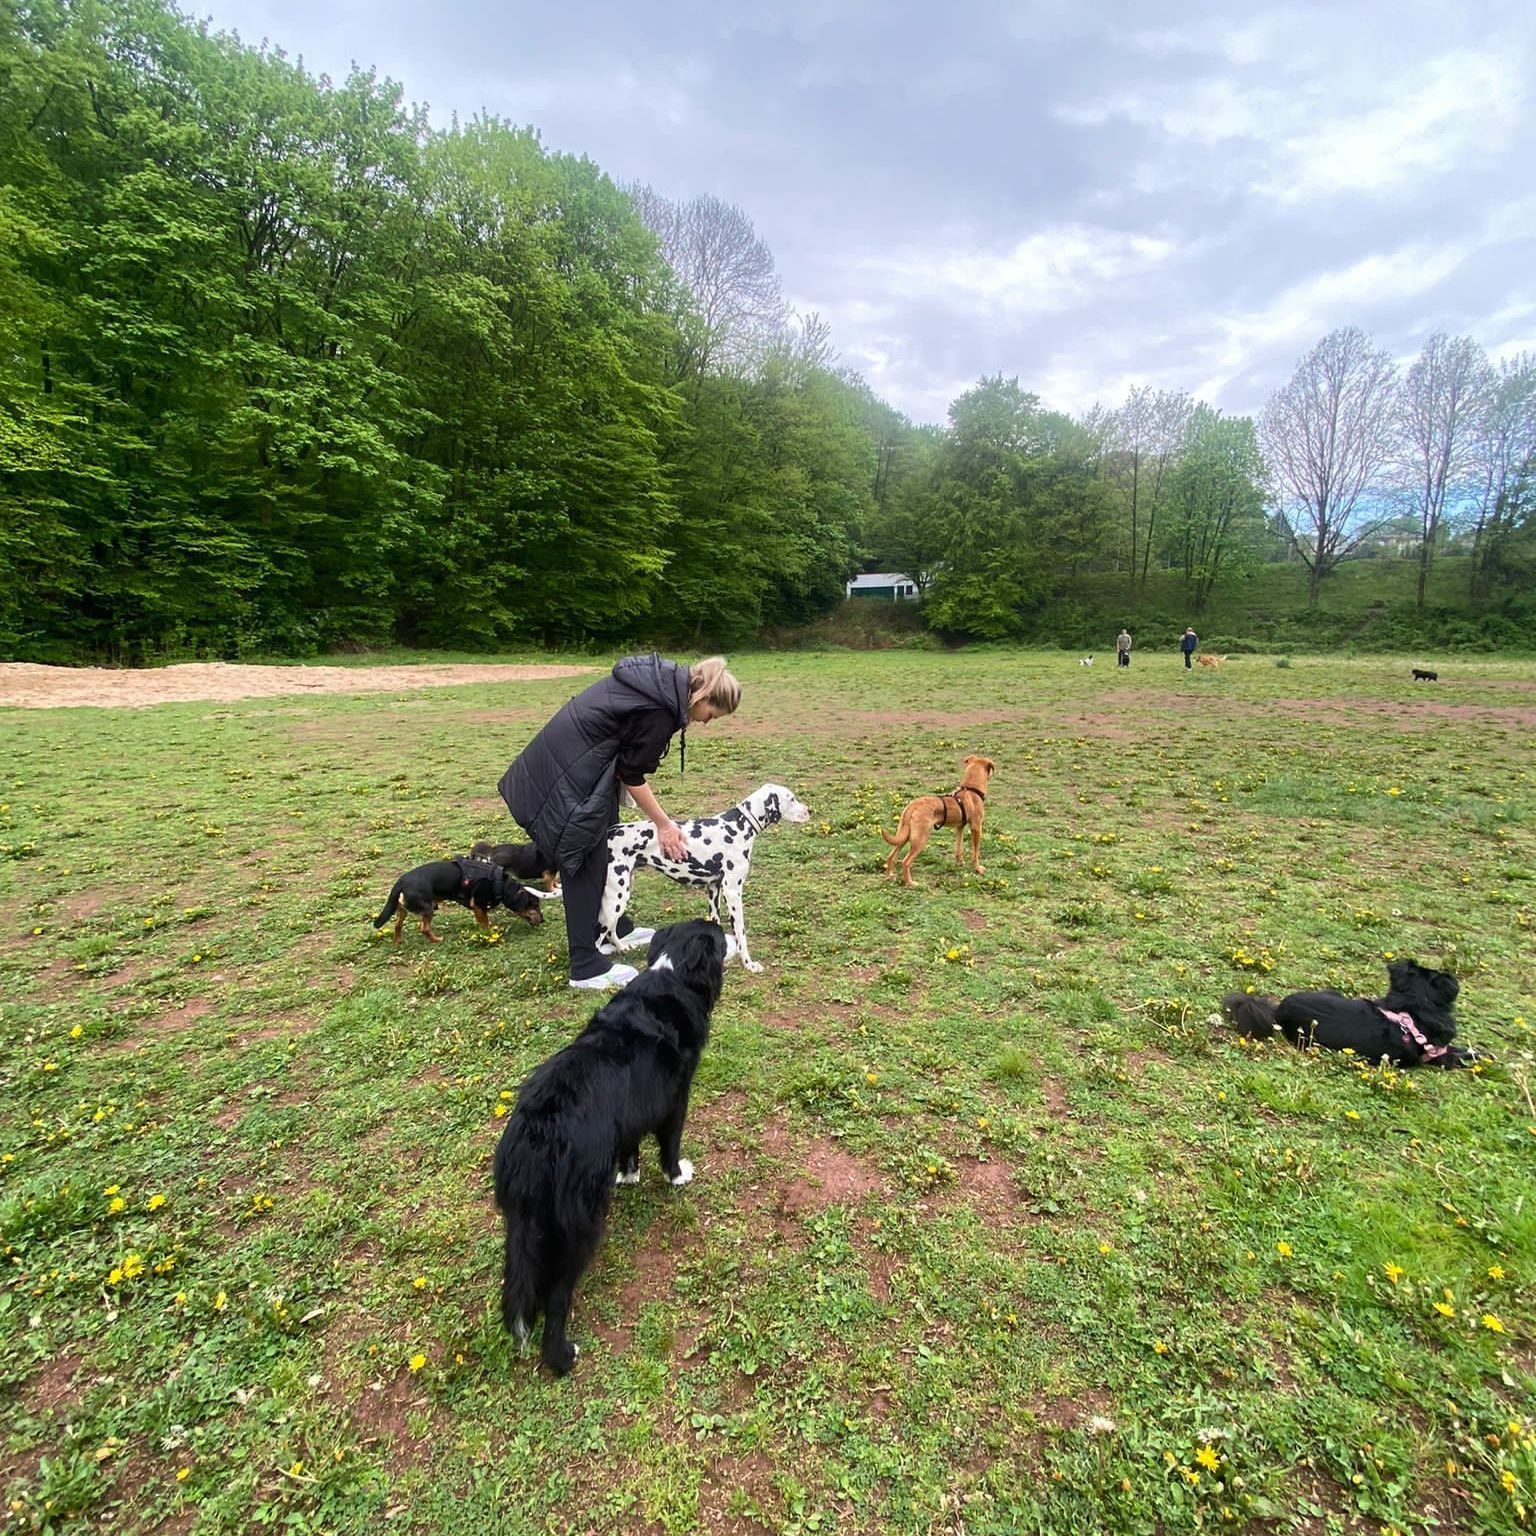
(1085, 195)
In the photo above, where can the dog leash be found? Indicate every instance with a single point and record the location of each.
(1412, 1034)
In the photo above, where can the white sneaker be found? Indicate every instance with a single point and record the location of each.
(617, 975)
(630, 940)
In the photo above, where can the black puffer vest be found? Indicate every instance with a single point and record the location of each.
(563, 790)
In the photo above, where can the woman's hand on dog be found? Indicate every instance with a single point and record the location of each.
(670, 837)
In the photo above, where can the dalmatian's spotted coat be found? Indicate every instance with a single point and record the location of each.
(719, 859)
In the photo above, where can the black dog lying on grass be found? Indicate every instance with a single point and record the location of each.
(579, 1121)
(1411, 1026)
(473, 883)
(524, 860)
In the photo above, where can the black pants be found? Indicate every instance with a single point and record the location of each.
(582, 887)
(1125, 658)
(1187, 655)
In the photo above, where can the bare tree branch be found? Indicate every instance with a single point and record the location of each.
(1328, 436)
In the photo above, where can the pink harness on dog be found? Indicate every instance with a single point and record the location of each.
(1412, 1034)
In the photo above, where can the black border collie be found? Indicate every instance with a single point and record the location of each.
(1411, 1026)
(579, 1121)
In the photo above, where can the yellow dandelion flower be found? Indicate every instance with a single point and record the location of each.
(155, 1202)
(220, 1302)
(1106, 1247)
(181, 1474)
(1395, 1272)
(1445, 1309)
(1495, 1271)
(1207, 1458)
(1508, 1479)
(1190, 1476)
(417, 1361)
(420, 1282)
(76, 1032)
(1491, 1323)
(1283, 1249)
(1159, 1348)
(116, 1204)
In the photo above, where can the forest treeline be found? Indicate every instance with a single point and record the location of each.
(284, 367)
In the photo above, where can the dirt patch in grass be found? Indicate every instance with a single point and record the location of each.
(26, 685)
(283, 1027)
(53, 1386)
(174, 1021)
(831, 1175)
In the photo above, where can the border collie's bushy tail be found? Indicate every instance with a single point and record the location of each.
(1249, 1014)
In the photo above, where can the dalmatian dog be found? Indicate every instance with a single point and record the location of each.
(719, 858)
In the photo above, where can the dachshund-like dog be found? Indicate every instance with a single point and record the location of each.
(965, 807)
(473, 883)
(579, 1121)
(524, 861)
(1412, 1026)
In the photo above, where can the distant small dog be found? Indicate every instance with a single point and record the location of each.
(922, 817)
(1209, 659)
(1087, 661)
(524, 860)
(1412, 1026)
(579, 1121)
(473, 883)
(1420, 675)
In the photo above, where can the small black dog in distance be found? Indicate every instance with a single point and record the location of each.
(1412, 1026)
(580, 1119)
(473, 883)
(1421, 675)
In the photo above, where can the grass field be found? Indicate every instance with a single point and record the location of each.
(993, 1229)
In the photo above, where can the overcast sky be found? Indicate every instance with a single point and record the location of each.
(1087, 195)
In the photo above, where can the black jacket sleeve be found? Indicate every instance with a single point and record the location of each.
(642, 743)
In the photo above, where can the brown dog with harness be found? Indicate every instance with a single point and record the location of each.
(966, 807)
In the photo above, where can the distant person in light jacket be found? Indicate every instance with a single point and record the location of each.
(1123, 648)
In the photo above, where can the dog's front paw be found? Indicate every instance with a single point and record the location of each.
(684, 1173)
(632, 1177)
(753, 965)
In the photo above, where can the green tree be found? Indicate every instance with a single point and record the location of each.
(1216, 499)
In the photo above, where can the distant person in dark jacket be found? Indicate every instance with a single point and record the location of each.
(1189, 645)
(563, 790)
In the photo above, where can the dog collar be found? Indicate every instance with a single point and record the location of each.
(751, 820)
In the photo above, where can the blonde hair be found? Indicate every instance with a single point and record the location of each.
(710, 683)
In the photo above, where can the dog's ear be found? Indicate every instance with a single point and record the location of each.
(988, 764)
(696, 950)
(1443, 987)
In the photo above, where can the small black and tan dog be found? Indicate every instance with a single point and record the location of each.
(579, 1121)
(1411, 1026)
(474, 883)
(525, 860)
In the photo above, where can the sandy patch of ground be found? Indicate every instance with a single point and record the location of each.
(26, 685)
